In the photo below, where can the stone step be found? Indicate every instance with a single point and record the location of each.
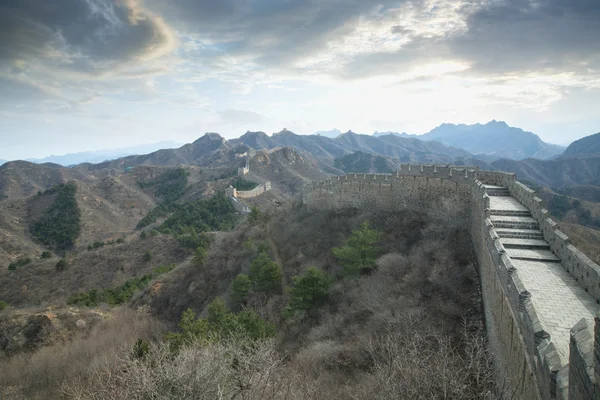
(516, 213)
(521, 243)
(514, 222)
(497, 192)
(520, 233)
(532, 255)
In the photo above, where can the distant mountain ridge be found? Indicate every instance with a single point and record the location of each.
(100, 156)
(326, 149)
(329, 134)
(403, 134)
(495, 139)
(584, 147)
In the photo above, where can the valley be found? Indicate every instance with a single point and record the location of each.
(151, 240)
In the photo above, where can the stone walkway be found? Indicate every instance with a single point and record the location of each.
(558, 300)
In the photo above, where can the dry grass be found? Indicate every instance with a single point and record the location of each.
(585, 239)
(412, 328)
(40, 284)
(40, 375)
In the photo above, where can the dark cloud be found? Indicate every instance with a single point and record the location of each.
(276, 33)
(523, 35)
(89, 36)
(500, 36)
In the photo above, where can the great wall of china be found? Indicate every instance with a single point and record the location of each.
(541, 295)
(235, 195)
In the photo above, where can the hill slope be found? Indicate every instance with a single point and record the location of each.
(495, 139)
(584, 147)
(321, 147)
(559, 173)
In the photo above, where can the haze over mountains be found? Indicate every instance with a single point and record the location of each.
(487, 142)
(101, 155)
(494, 145)
(491, 141)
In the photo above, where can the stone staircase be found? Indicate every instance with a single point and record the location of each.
(519, 233)
(552, 289)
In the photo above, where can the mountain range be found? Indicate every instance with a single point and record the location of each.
(100, 155)
(489, 142)
(588, 145)
(575, 172)
(111, 198)
(494, 140)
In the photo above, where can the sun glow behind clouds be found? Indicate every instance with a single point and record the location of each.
(182, 67)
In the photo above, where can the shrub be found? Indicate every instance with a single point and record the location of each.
(199, 256)
(170, 186)
(121, 240)
(3, 305)
(216, 213)
(61, 265)
(360, 251)
(21, 262)
(265, 274)
(255, 215)
(140, 349)
(60, 226)
(120, 294)
(240, 287)
(45, 255)
(147, 256)
(243, 184)
(310, 289)
(220, 324)
(143, 235)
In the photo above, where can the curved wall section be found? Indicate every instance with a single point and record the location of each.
(528, 268)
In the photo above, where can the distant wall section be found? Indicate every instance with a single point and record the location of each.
(414, 186)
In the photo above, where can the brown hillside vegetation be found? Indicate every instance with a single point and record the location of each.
(409, 329)
(285, 167)
(587, 240)
(43, 374)
(39, 283)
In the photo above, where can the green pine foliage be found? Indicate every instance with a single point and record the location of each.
(199, 256)
(255, 215)
(3, 305)
(243, 184)
(169, 187)
(21, 262)
(220, 324)
(120, 294)
(360, 251)
(265, 274)
(240, 288)
(45, 255)
(61, 265)
(60, 226)
(140, 350)
(213, 214)
(309, 290)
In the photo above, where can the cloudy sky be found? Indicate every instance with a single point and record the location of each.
(80, 75)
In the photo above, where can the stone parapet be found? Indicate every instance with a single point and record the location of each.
(528, 361)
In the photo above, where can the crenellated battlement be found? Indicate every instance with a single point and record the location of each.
(542, 352)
